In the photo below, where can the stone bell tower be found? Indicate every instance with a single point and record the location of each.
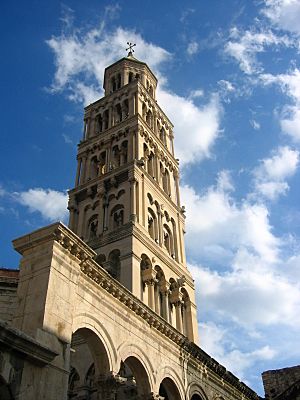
(126, 204)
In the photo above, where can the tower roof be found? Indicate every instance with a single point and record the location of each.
(129, 58)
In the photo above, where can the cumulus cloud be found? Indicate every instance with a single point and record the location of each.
(51, 204)
(214, 340)
(201, 125)
(222, 226)
(271, 175)
(81, 57)
(289, 84)
(285, 14)
(244, 46)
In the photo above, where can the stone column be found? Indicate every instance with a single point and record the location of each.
(79, 163)
(133, 183)
(148, 277)
(164, 289)
(159, 227)
(83, 171)
(100, 194)
(178, 306)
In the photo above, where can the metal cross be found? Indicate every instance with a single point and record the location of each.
(130, 48)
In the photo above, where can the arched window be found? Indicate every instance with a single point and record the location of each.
(105, 119)
(113, 84)
(144, 111)
(117, 216)
(115, 157)
(149, 118)
(168, 239)
(118, 81)
(114, 264)
(102, 167)
(118, 113)
(124, 153)
(150, 164)
(94, 168)
(99, 123)
(162, 135)
(152, 225)
(130, 77)
(92, 227)
(125, 109)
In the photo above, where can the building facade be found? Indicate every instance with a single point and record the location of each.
(105, 309)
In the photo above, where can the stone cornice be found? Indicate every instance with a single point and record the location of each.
(25, 345)
(58, 232)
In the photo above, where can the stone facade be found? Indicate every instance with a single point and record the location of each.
(107, 306)
(282, 384)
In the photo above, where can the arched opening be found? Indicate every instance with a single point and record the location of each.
(88, 359)
(114, 264)
(144, 265)
(102, 168)
(130, 77)
(92, 227)
(105, 119)
(150, 164)
(94, 168)
(152, 225)
(99, 123)
(149, 118)
(115, 157)
(168, 239)
(117, 216)
(196, 397)
(168, 390)
(135, 380)
(124, 152)
(118, 113)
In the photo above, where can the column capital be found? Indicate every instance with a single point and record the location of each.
(149, 275)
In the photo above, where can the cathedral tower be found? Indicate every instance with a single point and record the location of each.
(126, 202)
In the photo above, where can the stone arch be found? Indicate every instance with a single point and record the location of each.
(96, 347)
(117, 216)
(92, 227)
(114, 264)
(169, 373)
(84, 320)
(195, 392)
(169, 390)
(93, 168)
(152, 224)
(134, 352)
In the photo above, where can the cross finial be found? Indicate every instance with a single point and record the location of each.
(130, 48)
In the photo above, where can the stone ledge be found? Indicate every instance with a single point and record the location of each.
(11, 338)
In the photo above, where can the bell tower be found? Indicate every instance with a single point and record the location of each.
(126, 204)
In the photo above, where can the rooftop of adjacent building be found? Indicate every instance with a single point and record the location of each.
(282, 383)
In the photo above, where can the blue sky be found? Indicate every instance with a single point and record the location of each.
(230, 82)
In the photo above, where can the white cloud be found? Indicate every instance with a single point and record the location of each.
(196, 93)
(192, 48)
(201, 125)
(251, 294)
(290, 85)
(270, 176)
(52, 205)
(215, 342)
(81, 58)
(285, 14)
(244, 46)
(218, 226)
(255, 125)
